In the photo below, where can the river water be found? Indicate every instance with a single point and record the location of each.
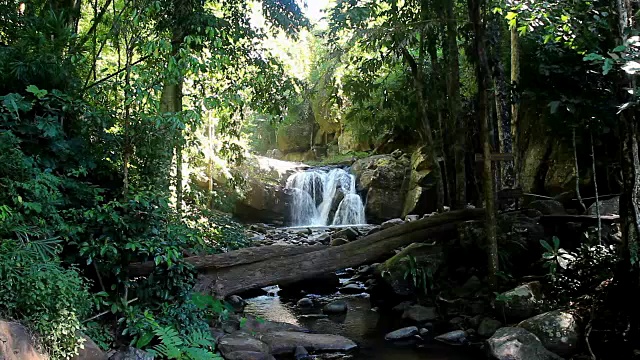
(362, 324)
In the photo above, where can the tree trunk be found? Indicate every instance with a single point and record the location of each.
(422, 109)
(515, 106)
(453, 97)
(482, 67)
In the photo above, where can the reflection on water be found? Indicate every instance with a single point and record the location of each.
(361, 324)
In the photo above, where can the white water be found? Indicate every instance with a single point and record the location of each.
(314, 195)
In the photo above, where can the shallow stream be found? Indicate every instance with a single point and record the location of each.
(361, 323)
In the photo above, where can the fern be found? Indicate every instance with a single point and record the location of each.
(199, 345)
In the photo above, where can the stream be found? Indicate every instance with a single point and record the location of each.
(362, 324)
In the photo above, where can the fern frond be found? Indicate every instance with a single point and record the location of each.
(199, 338)
(193, 353)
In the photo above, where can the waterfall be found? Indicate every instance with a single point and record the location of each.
(318, 193)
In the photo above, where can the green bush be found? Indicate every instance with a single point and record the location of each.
(51, 300)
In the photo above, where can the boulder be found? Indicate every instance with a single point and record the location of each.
(428, 257)
(607, 207)
(402, 334)
(89, 350)
(237, 303)
(420, 314)
(548, 207)
(305, 303)
(263, 202)
(338, 241)
(456, 337)
(382, 177)
(469, 288)
(422, 192)
(348, 233)
(520, 303)
(348, 142)
(558, 330)
(16, 343)
(248, 355)
(513, 343)
(295, 136)
(240, 341)
(285, 342)
(335, 307)
(131, 353)
(488, 327)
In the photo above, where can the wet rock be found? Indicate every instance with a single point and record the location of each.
(335, 307)
(248, 355)
(241, 341)
(548, 207)
(301, 353)
(428, 257)
(305, 303)
(89, 350)
(216, 333)
(285, 342)
(339, 241)
(410, 218)
(420, 314)
(456, 337)
(488, 327)
(16, 343)
(559, 331)
(391, 223)
(402, 334)
(424, 332)
(365, 270)
(255, 325)
(457, 323)
(351, 289)
(131, 353)
(512, 343)
(521, 302)
(348, 233)
(237, 303)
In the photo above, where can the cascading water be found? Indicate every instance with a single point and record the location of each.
(317, 194)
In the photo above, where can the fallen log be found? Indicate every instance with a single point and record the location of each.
(232, 258)
(224, 281)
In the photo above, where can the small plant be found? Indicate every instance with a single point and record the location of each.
(199, 345)
(420, 277)
(555, 256)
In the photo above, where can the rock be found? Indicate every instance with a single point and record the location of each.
(402, 334)
(347, 142)
(391, 223)
(428, 257)
(424, 332)
(402, 307)
(559, 331)
(607, 207)
(421, 194)
(488, 327)
(382, 177)
(365, 270)
(305, 303)
(410, 218)
(285, 342)
(294, 136)
(469, 288)
(457, 323)
(348, 233)
(512, 343)
(89, 350)
(521, 302)
(301, 353)
(456, 337)
(338, 241)
(263, 202)
(335, 307)
(241, 341)
(351, 289)
(548, 207)
(237, 303)
(131, 353)
(420, 314)
(248, 355)
(255, 325)
(16, 343)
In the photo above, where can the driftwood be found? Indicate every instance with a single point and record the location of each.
(288, 269)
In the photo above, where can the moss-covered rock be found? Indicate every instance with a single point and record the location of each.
(347, 142)
(558, 330)
(421, 196)
(521, 302)
(295, 136)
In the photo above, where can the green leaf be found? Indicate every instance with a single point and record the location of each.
(619, 48)
(593, 57)
(546, 245)
(556, 243)
(554, 106)
(144, 340)
(607, 66)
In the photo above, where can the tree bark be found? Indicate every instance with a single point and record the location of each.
(453, 97)
(482, 67)
(515, 106)
(577, 171)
